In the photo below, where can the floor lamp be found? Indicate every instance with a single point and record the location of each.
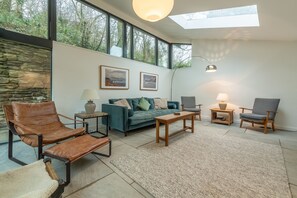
(209, 68)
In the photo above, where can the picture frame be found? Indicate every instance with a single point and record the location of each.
(148, 81)
(114, 77)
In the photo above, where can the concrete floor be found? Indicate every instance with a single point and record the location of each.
(94, 176)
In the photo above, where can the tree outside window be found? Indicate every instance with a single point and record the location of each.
(128, 40)
(181, 55)
(81, 25)
(144, 47)
(28, 17)
(116, 37)
(163, 54)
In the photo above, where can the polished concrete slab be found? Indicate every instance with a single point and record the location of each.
(95, 176)
(111, 186)
(293, 190)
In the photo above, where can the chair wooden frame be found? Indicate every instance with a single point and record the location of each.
(50, 171)
(261, 122)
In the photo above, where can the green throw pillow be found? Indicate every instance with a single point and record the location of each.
(144, 104)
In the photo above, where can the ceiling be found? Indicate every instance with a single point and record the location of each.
(278, 19)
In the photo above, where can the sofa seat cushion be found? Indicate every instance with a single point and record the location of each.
(252, 116)
(146, 116)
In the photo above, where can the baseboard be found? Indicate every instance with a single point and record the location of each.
(237, 121)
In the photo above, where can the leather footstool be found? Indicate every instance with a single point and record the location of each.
(75, 149)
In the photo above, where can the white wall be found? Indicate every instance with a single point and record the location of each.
(75, 69)
(246, 69)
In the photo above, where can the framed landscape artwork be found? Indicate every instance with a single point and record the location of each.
(149, 81)
(114, 78)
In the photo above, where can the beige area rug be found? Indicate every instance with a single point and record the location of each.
(208, 164)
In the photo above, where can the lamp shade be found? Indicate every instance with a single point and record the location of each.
(211, 68)
(152, 10)
(222, 97)
(89, 94)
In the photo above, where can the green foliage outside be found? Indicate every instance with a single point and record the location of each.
(144, 47)
(25, 16)
(116, 35)
(181, 56)
(81, 25)
(163, 54)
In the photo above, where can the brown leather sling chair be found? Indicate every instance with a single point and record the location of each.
(37, 125)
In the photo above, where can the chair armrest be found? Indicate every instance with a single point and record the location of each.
(244, 108)
(118, 116)
(80, 121)
(268, 114)
(199, 106)
(50, 170)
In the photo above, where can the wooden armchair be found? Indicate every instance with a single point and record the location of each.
(189, 104)
(37, 124)
(263, 112)
(38, 179)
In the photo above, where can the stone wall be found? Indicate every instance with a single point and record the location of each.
(25, 72)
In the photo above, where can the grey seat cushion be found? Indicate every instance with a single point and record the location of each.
(262, 105)
(252, 116)
(192, 109)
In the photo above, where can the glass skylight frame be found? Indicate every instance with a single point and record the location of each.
(244, 16)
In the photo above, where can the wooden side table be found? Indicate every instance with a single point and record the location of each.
(222, 120)
(95, 115)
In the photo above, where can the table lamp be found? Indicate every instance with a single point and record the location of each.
(90, 95)
(222, 97)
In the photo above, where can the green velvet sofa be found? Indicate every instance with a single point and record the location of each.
(123, 120)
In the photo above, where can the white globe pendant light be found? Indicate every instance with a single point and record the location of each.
(152, 10)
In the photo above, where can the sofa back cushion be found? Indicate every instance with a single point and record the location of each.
(151, 101)
(160, 103)
(144, 104)
(123, 103)
(133, 102)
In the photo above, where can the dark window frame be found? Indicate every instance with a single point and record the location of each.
(52, 33)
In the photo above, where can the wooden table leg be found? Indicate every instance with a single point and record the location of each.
(193, 123)
(184, 124)
(166, 134)
(157, 131)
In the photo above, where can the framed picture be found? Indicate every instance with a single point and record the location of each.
(114, 78)
(149, 81)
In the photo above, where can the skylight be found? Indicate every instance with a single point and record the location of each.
(246, 16)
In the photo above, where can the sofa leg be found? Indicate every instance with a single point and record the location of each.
(241, 123)
(125, 134)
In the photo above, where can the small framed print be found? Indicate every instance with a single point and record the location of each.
(149, 82)
(114, 78)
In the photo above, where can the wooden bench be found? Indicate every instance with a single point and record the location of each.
(74, 149)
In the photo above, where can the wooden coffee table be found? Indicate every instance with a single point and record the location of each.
(170, 118)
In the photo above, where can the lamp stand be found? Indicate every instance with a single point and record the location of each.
(222, 105)
(90, 107)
